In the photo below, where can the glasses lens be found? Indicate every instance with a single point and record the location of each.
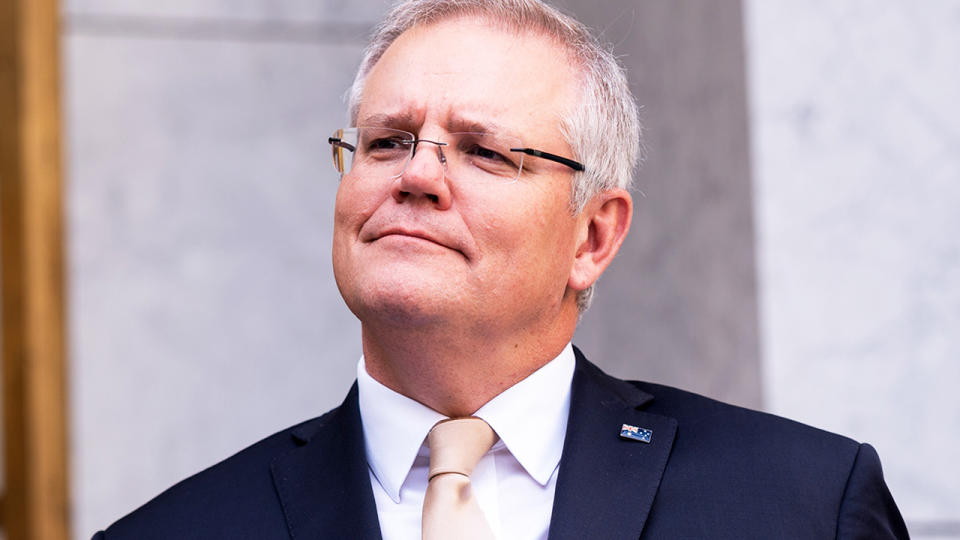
(342, 150)
(467, 157)
(483, 157)
(382, 152)
(375, 151)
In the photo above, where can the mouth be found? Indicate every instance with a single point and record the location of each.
(413, 234)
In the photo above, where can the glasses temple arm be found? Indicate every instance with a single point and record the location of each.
(339, 142)
(575, 165)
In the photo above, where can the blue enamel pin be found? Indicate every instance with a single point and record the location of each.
(635, 433)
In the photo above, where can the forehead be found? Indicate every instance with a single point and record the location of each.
(466, 71)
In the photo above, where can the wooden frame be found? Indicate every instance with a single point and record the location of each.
(36, 502)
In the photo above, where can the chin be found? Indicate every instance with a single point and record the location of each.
(400, 312)
(393, 301)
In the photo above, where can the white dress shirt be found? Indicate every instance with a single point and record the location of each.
(513, 483)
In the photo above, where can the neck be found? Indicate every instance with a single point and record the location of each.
(456, 373)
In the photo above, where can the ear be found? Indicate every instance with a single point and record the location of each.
(604, 223)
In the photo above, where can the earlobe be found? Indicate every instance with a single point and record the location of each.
(606, 220)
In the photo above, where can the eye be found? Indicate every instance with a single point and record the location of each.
(388, 143)
(486, 153)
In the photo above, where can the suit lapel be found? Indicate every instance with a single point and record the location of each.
(607, 484)
(324, 484)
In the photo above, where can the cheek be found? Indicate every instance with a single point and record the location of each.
(526, 224)
(540, 238)
(553, 243)
(356, 201)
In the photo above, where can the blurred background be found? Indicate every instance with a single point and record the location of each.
(168, 293)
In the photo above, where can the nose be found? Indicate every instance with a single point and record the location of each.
(424, 177)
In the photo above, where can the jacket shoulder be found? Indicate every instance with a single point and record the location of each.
(702, 413)
(805, 481)
(745, 442)
(235, 497)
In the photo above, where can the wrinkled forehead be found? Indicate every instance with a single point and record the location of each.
(546, 28)
(469, 70)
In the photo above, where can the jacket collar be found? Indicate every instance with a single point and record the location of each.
(606, 483)
(324, 483)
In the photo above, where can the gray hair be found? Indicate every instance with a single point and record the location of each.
(603, 126)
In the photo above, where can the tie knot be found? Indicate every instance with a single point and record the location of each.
(457, 444)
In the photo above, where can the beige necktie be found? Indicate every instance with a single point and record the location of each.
(450, 511)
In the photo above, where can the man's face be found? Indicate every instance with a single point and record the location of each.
(427, 248)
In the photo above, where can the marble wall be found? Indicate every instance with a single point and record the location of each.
(203, 313)
(856, 132)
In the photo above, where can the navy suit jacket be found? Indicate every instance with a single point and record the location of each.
(710, 470)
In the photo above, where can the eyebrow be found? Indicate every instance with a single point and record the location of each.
(404, 120)
(461, 124)
(409, 122)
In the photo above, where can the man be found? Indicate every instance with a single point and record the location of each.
(483, 193)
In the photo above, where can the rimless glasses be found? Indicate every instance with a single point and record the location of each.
(476, 157)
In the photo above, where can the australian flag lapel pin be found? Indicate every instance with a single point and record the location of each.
(635, 433)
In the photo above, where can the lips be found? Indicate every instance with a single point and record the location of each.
(377, 229)
(411, 233)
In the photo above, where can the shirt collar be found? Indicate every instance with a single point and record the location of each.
(394, 427)
(530, 417)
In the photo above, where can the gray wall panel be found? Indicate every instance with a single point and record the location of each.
(679, 305)
(337, 11)
(203, 311)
